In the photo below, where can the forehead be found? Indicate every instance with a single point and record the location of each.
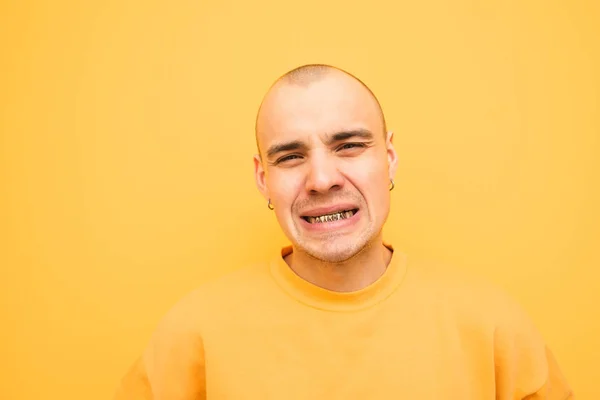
(303, 112)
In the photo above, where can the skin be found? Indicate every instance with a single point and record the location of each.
(323, 145)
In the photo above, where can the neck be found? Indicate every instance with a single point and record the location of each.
(351, 275)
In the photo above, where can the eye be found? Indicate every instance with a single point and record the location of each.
(347, 146)
(287, 158)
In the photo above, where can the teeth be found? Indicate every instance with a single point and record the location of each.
(330, 217)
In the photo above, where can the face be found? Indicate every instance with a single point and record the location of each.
(326, 165)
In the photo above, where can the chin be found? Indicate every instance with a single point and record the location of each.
(333, 252)
(335, 247)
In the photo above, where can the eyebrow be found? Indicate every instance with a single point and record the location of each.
(336, 137)
(281, 147)
(344, 135)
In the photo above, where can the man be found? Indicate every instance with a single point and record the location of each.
(339, 314)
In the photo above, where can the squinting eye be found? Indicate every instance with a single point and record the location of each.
(287, 158)
(351, 146)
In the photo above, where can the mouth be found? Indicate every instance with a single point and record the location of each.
(331, 217)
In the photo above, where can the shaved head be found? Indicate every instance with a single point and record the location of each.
(304, 76)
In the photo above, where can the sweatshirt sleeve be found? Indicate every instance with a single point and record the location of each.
(556, 386)
(172, 366)
(525, 367)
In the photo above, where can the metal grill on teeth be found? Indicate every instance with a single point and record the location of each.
(331, 217)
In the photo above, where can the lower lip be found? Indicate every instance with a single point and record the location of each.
(332, 225)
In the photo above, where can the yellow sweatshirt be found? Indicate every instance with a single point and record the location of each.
(416, 333)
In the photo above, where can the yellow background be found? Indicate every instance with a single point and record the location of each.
(126, 143)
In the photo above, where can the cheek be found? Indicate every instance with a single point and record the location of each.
(284, 188)
(371, 179)
(369, 176)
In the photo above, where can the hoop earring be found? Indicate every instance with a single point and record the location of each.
(270, 205)
(392, 186)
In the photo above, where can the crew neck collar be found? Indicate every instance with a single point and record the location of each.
(318, 297)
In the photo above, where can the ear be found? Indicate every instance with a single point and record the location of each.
(392, 155)
(259, 175)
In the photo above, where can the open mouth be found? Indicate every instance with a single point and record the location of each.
(336, 216)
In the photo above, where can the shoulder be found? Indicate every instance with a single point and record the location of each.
(469, 296)
(485, 313)
(218, 297)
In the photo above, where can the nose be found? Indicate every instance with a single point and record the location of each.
(323, 175)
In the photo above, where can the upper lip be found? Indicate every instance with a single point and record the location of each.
(317, 212)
